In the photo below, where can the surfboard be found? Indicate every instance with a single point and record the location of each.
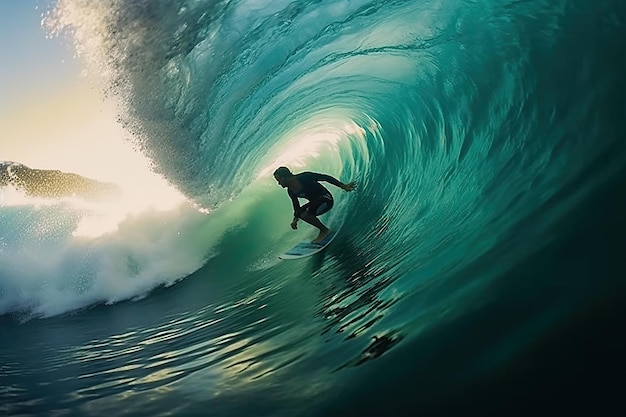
(307, 248)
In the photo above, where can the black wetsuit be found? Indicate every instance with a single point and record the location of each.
(320, 199)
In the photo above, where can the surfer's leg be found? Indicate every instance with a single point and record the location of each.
(314, 209)
(314, 221)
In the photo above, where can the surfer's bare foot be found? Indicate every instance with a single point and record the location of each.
(323, 235)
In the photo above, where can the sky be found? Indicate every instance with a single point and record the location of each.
(51, 116)
(27, 54)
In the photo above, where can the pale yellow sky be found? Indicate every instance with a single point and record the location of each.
(68, 128)
(50, 115)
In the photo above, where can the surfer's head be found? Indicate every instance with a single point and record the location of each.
(281, 174)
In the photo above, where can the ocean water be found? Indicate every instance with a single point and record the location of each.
(479, 269)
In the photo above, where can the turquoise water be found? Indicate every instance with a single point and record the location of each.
(477, 264)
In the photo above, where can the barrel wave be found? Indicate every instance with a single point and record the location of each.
(479, 132)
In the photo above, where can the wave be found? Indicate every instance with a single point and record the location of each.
(486, 138)
(446, 113)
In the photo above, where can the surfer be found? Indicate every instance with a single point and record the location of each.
(306, 185)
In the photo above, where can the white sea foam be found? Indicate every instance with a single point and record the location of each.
(47, 267)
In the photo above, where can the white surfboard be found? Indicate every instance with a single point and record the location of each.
(307, 248)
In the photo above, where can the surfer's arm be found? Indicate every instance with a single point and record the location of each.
(296, 204)
(296, 211)
(334, 181)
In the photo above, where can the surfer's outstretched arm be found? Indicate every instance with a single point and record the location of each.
(334, 181)
(349, 186)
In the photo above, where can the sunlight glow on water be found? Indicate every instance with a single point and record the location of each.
(105, 218)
